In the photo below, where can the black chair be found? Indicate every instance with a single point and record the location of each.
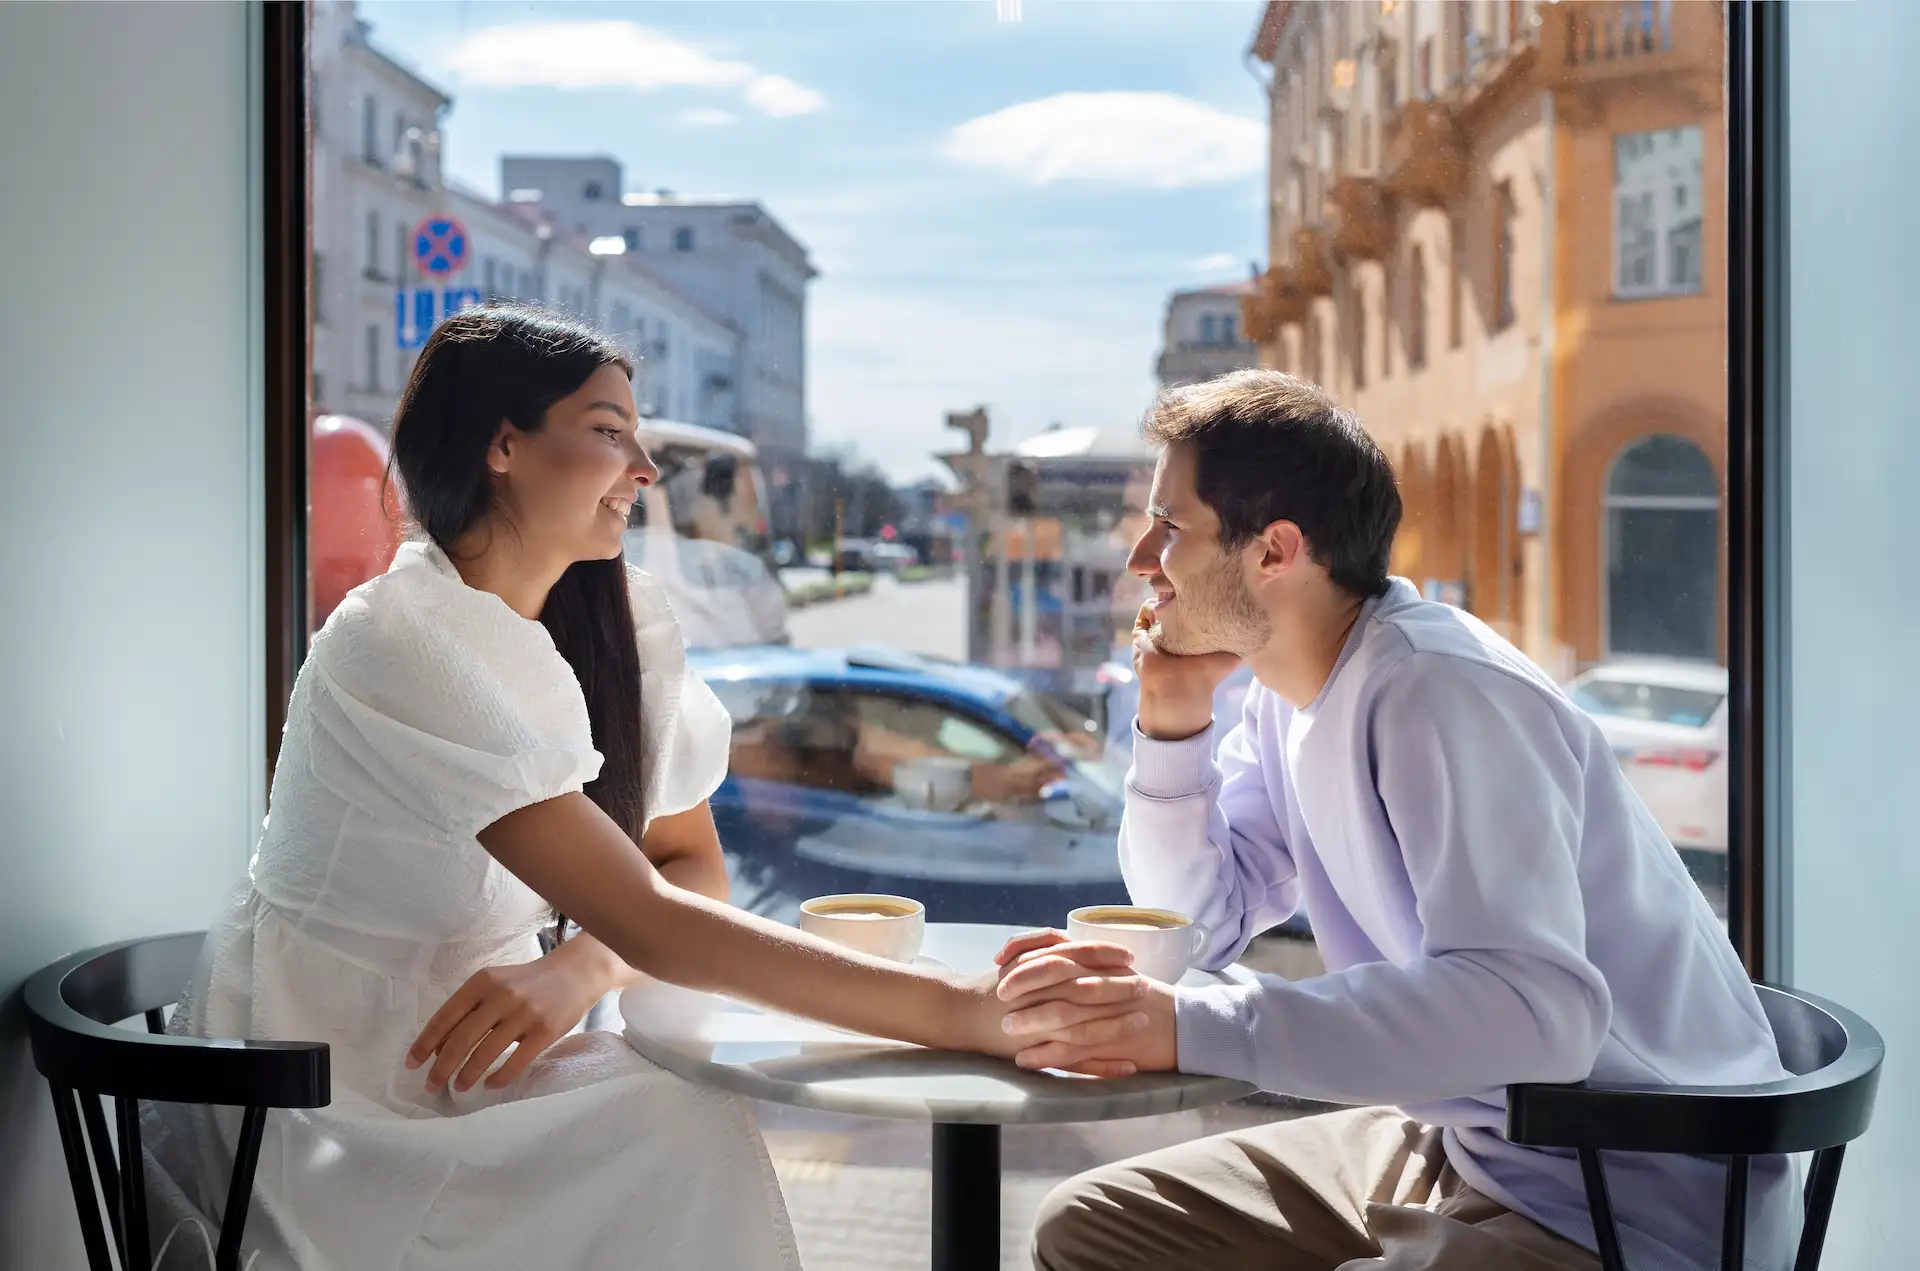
(1835, 1058)
(72, 1007)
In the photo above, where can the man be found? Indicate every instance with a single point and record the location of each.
(1493, 903)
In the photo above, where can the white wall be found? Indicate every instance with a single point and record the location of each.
(1855, 608)
(131, 747)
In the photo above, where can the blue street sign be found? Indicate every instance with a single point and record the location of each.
(440, 246)
(418, 310)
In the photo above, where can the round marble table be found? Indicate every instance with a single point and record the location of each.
(716, 1041)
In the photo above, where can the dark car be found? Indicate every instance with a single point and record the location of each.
(821, 794)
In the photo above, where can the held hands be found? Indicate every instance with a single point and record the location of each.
(1176, 690)
(1064, 1009)
(529, 1007)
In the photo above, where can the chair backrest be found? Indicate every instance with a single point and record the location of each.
(74, 1005)
(1809, 1037)
(1833, 1055)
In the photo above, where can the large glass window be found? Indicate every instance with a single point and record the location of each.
(837, 230)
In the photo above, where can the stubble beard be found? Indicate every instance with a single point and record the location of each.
(1215, 614)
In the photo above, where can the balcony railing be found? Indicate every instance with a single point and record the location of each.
(1425, 162)
(1277, 301)
(1594, 41)
(1311, 273)
(1362, 219)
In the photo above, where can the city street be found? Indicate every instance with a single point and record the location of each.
(926, 617)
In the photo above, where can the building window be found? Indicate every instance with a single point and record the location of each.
(1456, 282)
(1663, 551)
(1504, 249)
(1229, 332)
(1417, 309)
(372, 267)
(399, 133)
(1423, 86)
(632, 236)
(1209, 329)
(590, 191)
(1657, 213)
(318, 283)
(402, 251)
(683, 239)
(369, 131)
(373, 358)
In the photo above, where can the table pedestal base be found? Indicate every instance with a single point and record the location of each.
(966, 1198)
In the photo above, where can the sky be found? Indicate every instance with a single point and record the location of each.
(997, 208)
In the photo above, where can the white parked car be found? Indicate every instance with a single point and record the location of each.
(1667, 724)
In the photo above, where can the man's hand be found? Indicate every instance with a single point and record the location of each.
(529, 1006)
(1044, 1028)
(1089, 997)
(1176, 691)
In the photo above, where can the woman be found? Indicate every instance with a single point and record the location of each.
(501, 726)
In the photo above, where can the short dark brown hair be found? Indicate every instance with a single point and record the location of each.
(1272, 447)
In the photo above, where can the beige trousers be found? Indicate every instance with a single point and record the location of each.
(1362, 1190)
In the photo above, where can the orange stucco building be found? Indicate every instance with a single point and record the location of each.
(1497, 231)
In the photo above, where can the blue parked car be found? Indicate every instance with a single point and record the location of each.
(875, 770)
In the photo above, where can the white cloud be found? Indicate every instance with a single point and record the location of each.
(780, 97)
(1217, 263)
(1157, 140)
(615, 55)
(705, 117)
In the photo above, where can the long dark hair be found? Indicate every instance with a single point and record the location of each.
(513, 362)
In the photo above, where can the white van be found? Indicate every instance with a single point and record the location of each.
(701, 529)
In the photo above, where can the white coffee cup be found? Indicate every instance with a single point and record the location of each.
(1163, 943)
(939, 782)
(889, 927)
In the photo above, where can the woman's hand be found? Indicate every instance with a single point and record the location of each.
(529, 1007)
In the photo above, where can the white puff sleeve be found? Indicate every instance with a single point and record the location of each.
(444, 717)
(688, 731)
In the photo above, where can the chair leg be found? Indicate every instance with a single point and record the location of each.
(1733, 1228)
(92, 1234)
(1605, 1234)
(96, 1122)
(246, 1159)
(1823, 1180)
(133, 1184)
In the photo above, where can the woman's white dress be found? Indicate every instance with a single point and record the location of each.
(425, 711)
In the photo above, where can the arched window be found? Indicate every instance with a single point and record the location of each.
(1663, 551)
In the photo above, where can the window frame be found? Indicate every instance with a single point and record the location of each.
(1755, 254)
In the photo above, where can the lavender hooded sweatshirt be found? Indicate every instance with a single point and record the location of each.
(1493, 902)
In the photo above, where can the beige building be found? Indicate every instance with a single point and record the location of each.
(1203, 336)
(1495, 231)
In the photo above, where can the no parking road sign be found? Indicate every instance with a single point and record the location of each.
(440, 246)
